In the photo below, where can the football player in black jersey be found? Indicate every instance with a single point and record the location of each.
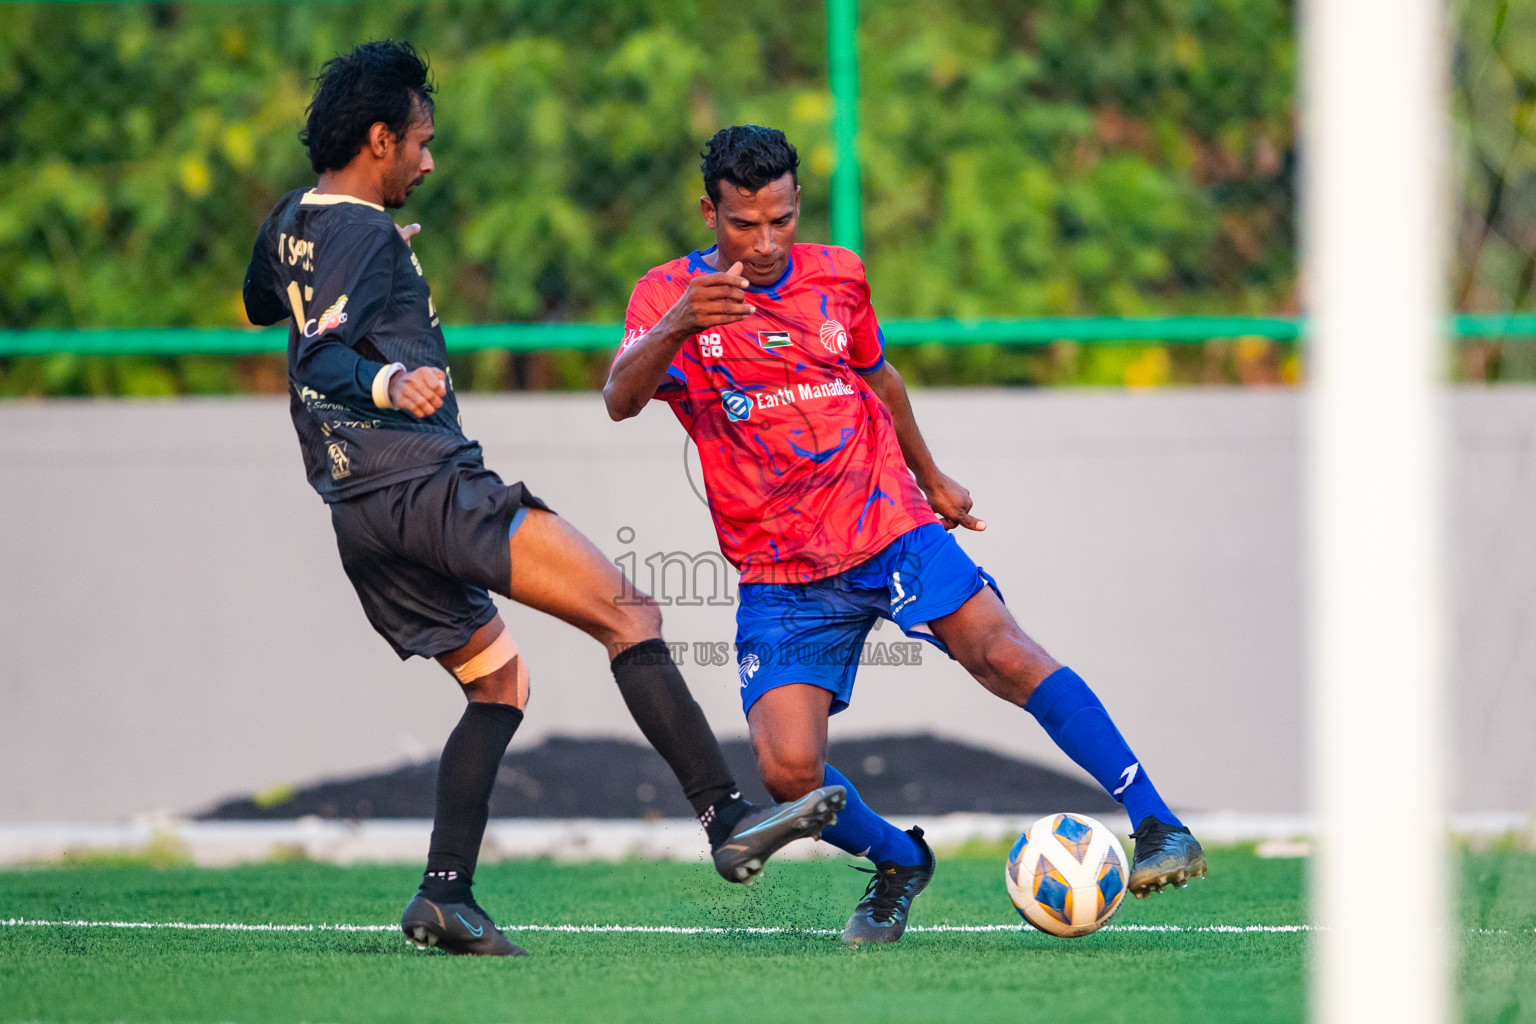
(425, 530)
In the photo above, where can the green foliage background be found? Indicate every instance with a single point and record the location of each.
(1494, 97)
(1021, 157)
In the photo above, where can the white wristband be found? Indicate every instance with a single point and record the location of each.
(381, 382)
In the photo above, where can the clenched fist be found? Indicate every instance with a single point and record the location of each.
(419, 392)
(712, 300)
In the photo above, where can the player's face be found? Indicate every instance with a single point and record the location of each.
(413, 160)
(756, 228)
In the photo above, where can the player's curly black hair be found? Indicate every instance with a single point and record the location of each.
(748, 156)
(378, 81)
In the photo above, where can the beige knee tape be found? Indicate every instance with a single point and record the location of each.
(501, 650)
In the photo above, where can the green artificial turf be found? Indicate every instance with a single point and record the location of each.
(97, 974)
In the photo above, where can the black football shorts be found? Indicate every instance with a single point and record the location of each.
(424, 553)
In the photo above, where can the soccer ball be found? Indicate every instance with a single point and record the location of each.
(1066, 875)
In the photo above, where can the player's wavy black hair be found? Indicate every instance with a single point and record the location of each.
(748, 156)
(378, 81)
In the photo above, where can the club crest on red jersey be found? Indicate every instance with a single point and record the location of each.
(834, 337)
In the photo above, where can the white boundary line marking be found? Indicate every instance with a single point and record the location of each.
(662, 929)
(641, 929)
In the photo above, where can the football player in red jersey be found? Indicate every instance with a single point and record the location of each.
(825, 495)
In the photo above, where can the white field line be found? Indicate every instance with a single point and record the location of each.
(661, 929)
(640, 929)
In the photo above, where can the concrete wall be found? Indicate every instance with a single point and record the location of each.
(175, 625)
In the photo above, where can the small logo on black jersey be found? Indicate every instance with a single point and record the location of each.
(341, 464)
(333, 317)
(773, 339)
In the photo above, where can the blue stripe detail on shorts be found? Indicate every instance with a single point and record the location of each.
(517, 520)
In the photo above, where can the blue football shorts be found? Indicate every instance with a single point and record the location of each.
(814, 632)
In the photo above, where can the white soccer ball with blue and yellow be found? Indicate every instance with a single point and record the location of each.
(1066, 875)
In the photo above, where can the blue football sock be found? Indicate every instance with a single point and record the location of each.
(1077, 721)
(863, 833)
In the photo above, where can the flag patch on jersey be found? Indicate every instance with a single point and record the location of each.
(773, 339)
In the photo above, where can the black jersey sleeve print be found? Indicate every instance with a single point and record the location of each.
(351, 283)
(264, 305)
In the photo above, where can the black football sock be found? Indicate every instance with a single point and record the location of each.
(721, 817)
(465, 775)
(674, 723)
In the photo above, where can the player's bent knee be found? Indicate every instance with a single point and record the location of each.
(1003, 667)
(1012, 669)
(788, 776)
(647, 615)
(497, 689)
(498, 674)
(637, 620)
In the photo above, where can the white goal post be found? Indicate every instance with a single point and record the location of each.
(1374, 202)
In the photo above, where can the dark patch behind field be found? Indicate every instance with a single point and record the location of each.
(564, 777)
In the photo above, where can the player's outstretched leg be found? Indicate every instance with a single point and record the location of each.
(741, 837)
(789, 735)
(558, 571)
(983, 636)
(444, 913)
(741, 854)
(1167, 853)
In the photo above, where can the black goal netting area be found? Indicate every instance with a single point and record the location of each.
(564, 777)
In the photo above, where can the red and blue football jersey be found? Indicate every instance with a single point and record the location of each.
(801, 464)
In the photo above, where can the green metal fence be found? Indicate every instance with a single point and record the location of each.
(846, 230)
(598, 336)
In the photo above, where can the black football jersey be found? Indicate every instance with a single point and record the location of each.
(358, 302)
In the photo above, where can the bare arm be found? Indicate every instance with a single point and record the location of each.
(951, 501)
(709, 301)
